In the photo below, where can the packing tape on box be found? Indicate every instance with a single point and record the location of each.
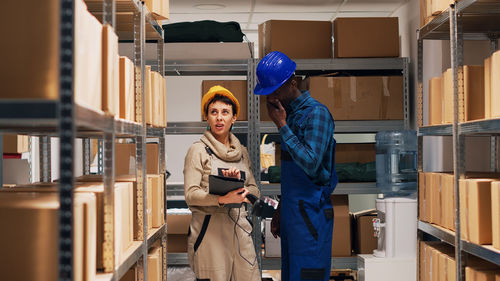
(352, 88)
(336, 87)
(384, 98)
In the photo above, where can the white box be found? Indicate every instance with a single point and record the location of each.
(272, 245)
(371, 268)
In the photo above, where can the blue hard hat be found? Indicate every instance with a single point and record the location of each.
(272, 72)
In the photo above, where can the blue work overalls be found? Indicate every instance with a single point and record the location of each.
(306, 218)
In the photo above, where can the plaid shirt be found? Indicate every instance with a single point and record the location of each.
(311, 145)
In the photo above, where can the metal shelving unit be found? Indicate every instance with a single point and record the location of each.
(463, 20)
(64, 119)
(253, 127)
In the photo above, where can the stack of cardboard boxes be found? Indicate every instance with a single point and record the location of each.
(479, 205)
(481, 93)
(437, 263)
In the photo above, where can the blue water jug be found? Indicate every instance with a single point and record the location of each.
(396, 162)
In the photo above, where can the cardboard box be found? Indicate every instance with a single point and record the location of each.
(360, 98)
(435, 198)
(272, 248)
(155, 98)
(41, 79)
(130, 275)
(365, 241)
(435, 101)
(13, 143)
(428, 196)
(36, 215)
(476, 220)
(155, 264)
(360, 152)
(476, 274)
(177, 243)
(448, 201)
(159, 8)
(178, 223)
(148, 92)
(447, 79)
(366, 37)
(127, 89)
(123, 201)
(341, 244)
(474, 92)
(421, 197)
(125, 159)
(237, 87)
(495, 214)
(487, 88)
(297, 39)
(110, 71)
(158, 207)
(495, 85)
(149, 203)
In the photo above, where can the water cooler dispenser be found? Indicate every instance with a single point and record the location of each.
(396, 223)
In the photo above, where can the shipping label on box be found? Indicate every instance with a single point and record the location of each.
(360, 98)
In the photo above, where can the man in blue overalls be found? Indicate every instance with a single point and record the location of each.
(304, 219)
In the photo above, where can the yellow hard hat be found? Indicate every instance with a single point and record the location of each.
(218, 90)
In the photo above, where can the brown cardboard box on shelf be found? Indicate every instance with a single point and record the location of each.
(435, 198)
(123, 202)
(495, 214)
(130, 275)
(110, 71)
(155, 264)
(237, 87)
(13, 143)
(159, 8)
(36, 215)
(41, 79)
(148, 92)
(178, 226)
(360, 98)
(447, 79)
(360, 152)
(435, 101)
(421, 197)
(310, 40)
(447, 201)
(366, 37)
(127, 89)
(487, 88)
(365, 242)
(156, 102)
(474, 92)
(476, 210)
(495, 85)
(341, 244)
(428, 196)
(479, 274)
(158, 212)
(125, 159)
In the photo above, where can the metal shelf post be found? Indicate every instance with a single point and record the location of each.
(109, 210)
(67, 138)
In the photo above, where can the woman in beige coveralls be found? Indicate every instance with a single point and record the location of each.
(220, 245)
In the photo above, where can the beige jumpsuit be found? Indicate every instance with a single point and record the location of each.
(220, 245)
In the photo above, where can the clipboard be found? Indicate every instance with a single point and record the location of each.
(219, 185)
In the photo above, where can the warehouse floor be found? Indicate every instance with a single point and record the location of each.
(184, 273)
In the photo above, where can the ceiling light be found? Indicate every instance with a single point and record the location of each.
(209, 6)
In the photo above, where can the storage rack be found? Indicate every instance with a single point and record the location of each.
(254, 127)
(463, 20)
(64, 119)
